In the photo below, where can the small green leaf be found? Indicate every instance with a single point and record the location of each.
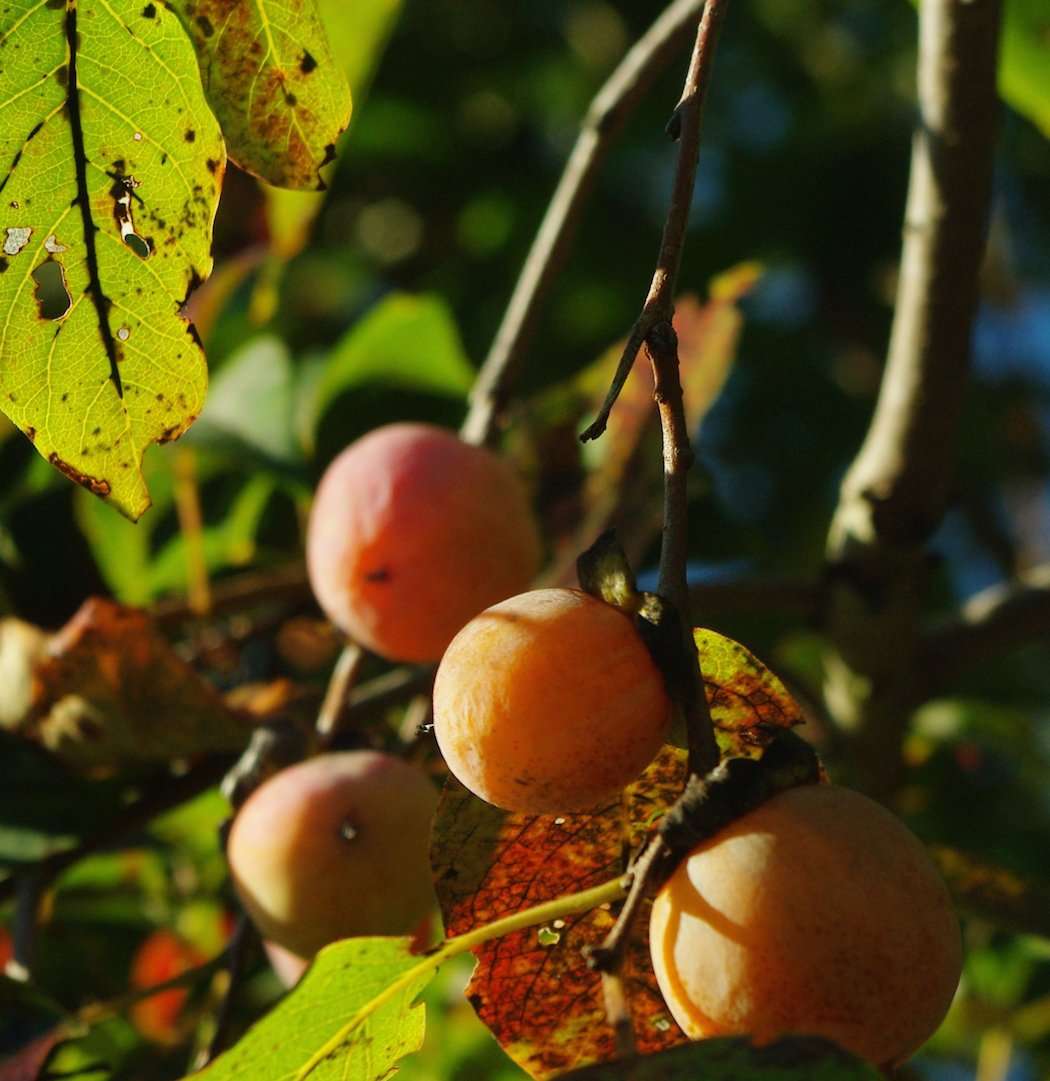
(407, 341)
(1024, 69)
(289, 1044)
(797, 1058)
(259, 372)
(269, 75)
(113, 163)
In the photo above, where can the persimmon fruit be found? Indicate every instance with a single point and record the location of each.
(412, 533)
(160, 957)
(549, 703)
(818, 913)
(335, 846)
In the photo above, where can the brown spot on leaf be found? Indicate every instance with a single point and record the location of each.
(149, 11)
(205, 24)
(96, 485)
(307, 63)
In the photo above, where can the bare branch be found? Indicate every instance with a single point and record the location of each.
(286, 585)
(685, 123)
(992, 622)
(605, 119)
(895, 492)
(333, 708)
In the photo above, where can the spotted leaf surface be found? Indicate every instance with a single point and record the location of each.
(533, 988)
(746, 699)
(110, 170)
(269, 74)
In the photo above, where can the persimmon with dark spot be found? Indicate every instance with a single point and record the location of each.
(334, 847)
(412, 533)
(818, 913)
(549, 703)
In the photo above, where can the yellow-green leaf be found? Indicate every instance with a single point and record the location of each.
(110, 169)
(344, 983)
(270, 77)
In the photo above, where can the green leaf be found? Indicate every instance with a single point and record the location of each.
(1024, 68)
(797, 1058)
(44, 808)
(260, 372)
(344, 978)
(270, 77)
(112, 165)
(358, 33)
(408, 341)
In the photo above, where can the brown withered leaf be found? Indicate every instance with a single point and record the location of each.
(533, 989)
(746, 699)
(111, 689)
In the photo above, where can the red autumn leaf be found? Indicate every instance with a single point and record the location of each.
(110, 688)
(533, 989)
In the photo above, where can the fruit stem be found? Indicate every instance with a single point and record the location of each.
(559, 908)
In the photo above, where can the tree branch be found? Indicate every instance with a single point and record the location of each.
(662, 345)
(605, 119)
(896, 490)
(685, 125)
(994, 621)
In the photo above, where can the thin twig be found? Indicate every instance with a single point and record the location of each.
(191, 526)
(241, 942)
(895, 492)
(662, 345)
(29, 893)
(685, 123)
(333, 709)
(605, 119)
(992, 622)
(284, 585)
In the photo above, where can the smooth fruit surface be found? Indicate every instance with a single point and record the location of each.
(549, 703)
(335, 846)
(817, 913)
(412, 533)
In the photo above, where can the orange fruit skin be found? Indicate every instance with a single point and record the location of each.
(549, 703)
(333, 847)
(161, 956)
(412, 533)
(817, 913)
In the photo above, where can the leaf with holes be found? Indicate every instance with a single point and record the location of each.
(110, 169)
(533, 988)
(270, 77)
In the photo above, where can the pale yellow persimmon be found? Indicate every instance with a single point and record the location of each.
(549, 702)
(333, 847)
(818, 913)
(412, 533)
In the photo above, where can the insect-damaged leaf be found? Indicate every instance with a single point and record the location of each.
(110, 169)
(533, 988)
(112, 689)
(270, 77)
